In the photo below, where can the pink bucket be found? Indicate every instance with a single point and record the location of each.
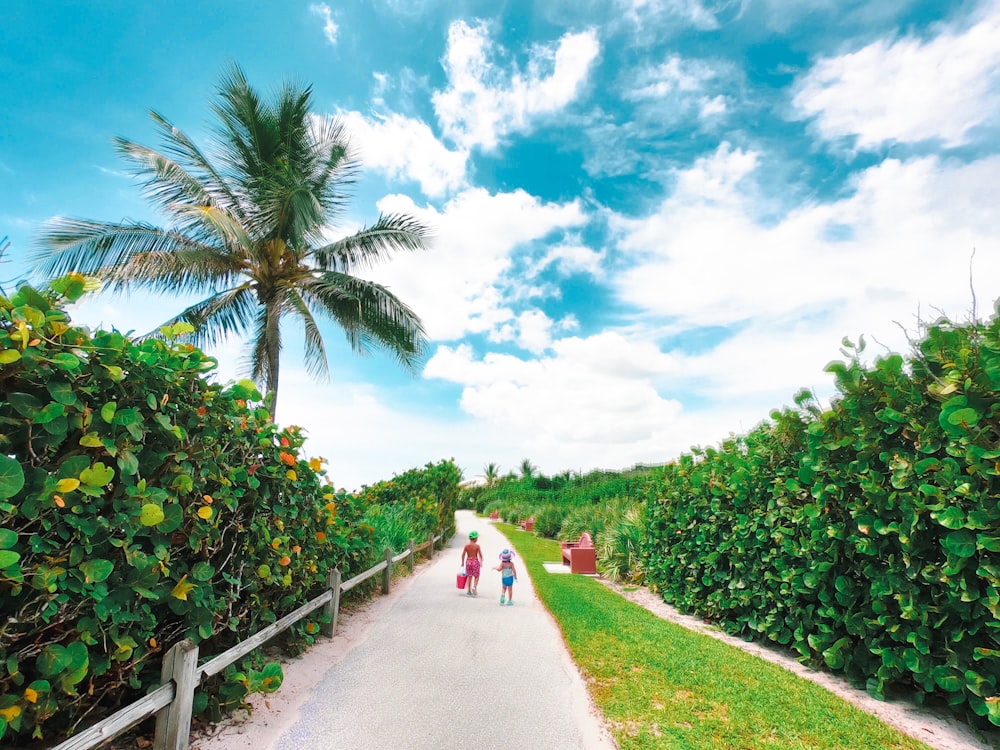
(460, 581)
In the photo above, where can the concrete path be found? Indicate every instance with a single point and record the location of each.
(441, 670)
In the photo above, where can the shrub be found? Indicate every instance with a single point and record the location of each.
(619, 546)
(864, 536)
(141, 504)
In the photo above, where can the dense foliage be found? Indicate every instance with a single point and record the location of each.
(416, 504)
(606, 504)
(865, 536)
(141, 504)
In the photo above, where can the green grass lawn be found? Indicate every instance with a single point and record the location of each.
(660, 685)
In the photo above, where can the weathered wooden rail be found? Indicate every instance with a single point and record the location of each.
(172, 702)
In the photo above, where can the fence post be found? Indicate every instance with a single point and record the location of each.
(412, 556)
(173, 723)
(332, 608)
(387, 574)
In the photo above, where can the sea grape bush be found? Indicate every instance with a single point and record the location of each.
(865, 536)
(141, 504)
(416, 504)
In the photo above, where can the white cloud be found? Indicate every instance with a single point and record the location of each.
(484, 102)
(701, 14)
(793, 289)
(365, 438)
(330, 27)
(713, 106)
(908, 90)
(461, 285)
(534, 331)
(673, 77)
(592, 400)
(405, 149)
(572, 258)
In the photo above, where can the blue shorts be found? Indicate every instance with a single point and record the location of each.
(508, 582)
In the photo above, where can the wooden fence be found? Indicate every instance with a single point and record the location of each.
(181, 673)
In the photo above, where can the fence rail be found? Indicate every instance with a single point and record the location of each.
(172, 701)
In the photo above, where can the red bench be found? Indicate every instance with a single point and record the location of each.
(528, 525)
(580, 555)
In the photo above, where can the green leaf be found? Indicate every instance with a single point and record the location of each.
(151, 514)
(202, 571)
(91, 440)
(52, 660)
(108, 411)
(960, 543)
(97, 475)
(62, 392)
(11, 477)
(95, 571)
(7, 357)
(173, 517)
(988, 543)
(49, 412)
(24, 404)
(965, 417)
(66, 361)
(8, 558)
(951, 517)
(128, 463)
(8, 538)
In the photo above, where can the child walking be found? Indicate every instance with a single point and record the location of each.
(508, 574)
(472, 559)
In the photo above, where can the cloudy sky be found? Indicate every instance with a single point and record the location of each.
(655, 220)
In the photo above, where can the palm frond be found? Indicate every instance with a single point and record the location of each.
(391, 233)
(336, 166)
(228, 313)
(91, 247)
(194, 161)
(370, 315)
(165, 182)
(317, 363)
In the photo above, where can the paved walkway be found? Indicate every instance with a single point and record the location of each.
(441, 670)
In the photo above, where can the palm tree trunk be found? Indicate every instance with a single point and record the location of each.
(273, 348)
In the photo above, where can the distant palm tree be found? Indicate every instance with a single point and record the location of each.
(247, 233)
(491, 474)
(527, 469)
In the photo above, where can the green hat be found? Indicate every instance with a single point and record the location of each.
(473, 535)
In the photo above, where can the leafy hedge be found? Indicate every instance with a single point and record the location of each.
(414, 505)
(141, 504)
(866, 536)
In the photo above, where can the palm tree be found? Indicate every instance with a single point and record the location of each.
(527, 469)
(246, 234)
(491, 474)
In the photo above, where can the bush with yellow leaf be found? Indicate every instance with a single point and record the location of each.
(140, 504)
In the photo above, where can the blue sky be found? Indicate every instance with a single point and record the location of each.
(655, 220)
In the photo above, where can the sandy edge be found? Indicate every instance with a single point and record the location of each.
(270, 716)
(937, 730)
